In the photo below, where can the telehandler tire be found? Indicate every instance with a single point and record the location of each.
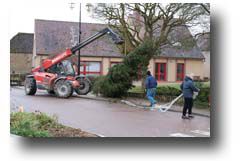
(85, 86)
(63, 89)
(30, 86)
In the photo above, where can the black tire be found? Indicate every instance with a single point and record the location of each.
(51, 92)
(63, 89)
(85, 86)
(30, 86)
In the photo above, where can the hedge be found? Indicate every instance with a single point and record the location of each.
(17, 79)
(167, 93)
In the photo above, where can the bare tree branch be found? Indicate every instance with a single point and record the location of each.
(142, 21)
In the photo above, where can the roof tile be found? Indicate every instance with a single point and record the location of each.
(53, 37)
(22, 43)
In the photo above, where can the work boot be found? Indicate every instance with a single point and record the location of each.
(153, 104)
(152, 107)
(185, 117)
(190, 116)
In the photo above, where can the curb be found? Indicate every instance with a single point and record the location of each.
(93, 98)
(194, 113)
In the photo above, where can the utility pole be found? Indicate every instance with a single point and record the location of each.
(79, 38)
(79, 34)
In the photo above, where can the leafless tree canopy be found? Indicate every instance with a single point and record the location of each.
(138, 22)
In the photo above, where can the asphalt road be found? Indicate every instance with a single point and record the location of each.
(112, 119)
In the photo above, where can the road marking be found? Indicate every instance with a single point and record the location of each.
(181, 135)
(201, 132)
(100, 135)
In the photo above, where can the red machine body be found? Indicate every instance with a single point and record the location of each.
(47, 63)
(57, 75)
(45, 79)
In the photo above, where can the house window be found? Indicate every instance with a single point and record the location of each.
(90, 68)
(160, 71)
(180, 71)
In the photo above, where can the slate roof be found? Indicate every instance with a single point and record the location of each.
(203, 42)
(53, 37)
(170, 52)
(22, 43)
(185, 45)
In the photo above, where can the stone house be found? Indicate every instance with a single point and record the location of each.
(21, 50)
(53, 37)
(171, 65)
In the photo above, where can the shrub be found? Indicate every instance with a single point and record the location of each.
(115, 84)
(98, 84)
(92, 78)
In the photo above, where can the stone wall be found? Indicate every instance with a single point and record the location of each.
(20, 63)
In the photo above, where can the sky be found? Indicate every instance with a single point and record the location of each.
(23, 13)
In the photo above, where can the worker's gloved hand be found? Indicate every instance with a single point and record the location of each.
(195, 94)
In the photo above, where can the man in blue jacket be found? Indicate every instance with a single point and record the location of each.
(151, 85)
(188, 88)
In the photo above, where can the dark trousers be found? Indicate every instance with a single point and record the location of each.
(188, 103)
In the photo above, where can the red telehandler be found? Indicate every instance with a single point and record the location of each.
(57, 75)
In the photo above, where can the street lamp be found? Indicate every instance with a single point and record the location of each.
(79, 36)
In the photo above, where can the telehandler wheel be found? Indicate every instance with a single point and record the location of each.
(63, 89)
(30, 86)
(84, 88)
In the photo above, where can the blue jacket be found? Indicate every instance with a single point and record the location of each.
(150, 82)
(188, 87)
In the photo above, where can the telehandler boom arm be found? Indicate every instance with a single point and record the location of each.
(47, 63)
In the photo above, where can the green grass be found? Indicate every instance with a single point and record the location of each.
(39, 124)
(31, 124)
(137, 89)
